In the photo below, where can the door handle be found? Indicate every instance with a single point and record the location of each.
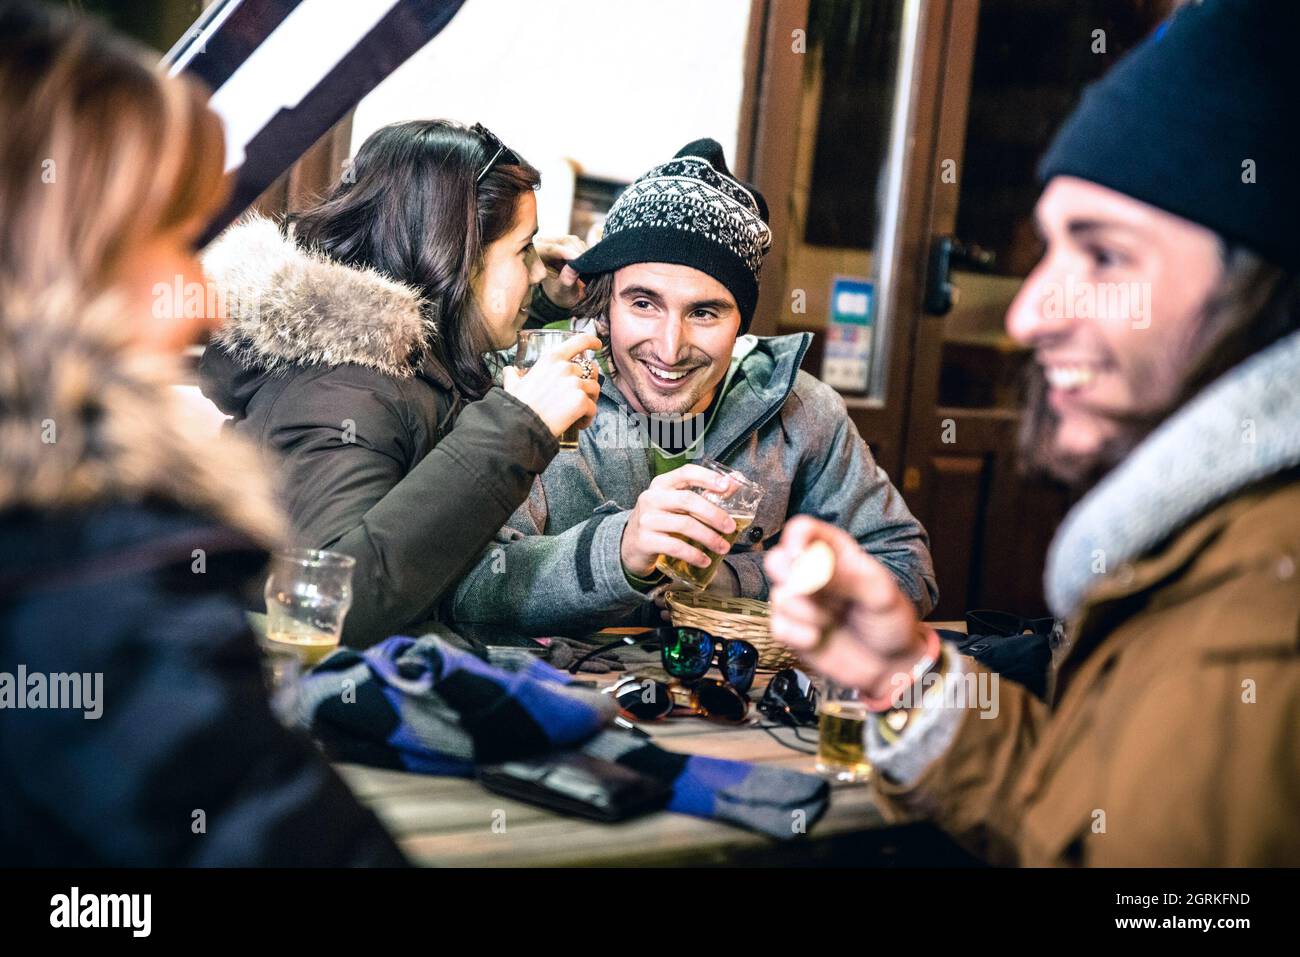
(948, 253)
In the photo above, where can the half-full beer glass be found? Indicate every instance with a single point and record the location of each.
(740, 501)
(308, 593)
(841, 721)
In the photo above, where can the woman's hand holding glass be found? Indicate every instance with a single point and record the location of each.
(555, 389)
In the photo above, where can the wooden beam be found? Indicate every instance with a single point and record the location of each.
(773, 95)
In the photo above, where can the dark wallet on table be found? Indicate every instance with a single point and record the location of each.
(574, 783)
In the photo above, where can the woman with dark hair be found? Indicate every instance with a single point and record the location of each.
(355, 349)
(141, 734)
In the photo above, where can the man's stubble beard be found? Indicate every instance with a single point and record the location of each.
(1039, 455)
(628, 383)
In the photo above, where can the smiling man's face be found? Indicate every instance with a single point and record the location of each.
(1111, 313)
(671, 331)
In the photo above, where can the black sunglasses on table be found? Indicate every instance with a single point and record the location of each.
(686, 654)
(648, 699)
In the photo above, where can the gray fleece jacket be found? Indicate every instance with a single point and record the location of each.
(556, 566)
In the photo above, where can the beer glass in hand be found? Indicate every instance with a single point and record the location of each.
(536, 343)
(740, 501)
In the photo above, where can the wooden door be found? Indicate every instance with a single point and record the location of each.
(840, 109)
(904, 122)
(1011, 71)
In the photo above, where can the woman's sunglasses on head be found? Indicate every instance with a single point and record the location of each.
(500, 151)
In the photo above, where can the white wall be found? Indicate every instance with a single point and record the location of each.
(614, 86)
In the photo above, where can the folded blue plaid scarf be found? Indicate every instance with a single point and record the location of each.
(424, 705)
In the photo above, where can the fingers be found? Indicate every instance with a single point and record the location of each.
(870, 583)
(803, 609)
(678, 524)
(802, 530)
(557, 250)
(798, 534)
(795, 633)
(572, 372)
(660, 543)
(510, 378)
(777, 563)
(693, 504)
(694, 476)
(568, 350)
(856, 576)
(573, 399)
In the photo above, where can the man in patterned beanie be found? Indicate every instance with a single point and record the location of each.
(671, 289)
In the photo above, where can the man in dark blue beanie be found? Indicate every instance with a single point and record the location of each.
(671, 288)
(1164, 319)
(1200, 122)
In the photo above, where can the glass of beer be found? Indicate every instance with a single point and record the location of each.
(308, 593)
(841, 722)
(740, 501)
(535, 343)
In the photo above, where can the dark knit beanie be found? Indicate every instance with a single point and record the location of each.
(1199, 120)
(692, 212)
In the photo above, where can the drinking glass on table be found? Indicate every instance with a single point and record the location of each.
(841, 723)
(740, 501)
(532, 346)
(308, 593)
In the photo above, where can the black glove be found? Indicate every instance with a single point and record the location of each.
(562, 652)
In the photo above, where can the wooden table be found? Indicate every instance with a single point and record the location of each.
(440, 821)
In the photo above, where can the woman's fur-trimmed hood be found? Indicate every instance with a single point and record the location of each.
(288, 306)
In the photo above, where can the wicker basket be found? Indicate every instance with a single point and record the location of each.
(725, 617)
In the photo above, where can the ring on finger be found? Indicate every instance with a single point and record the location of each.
(588, 368)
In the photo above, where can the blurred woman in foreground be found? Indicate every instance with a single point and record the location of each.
(135, 728)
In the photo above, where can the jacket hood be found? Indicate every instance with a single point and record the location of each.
(287, 306)
(88, 423)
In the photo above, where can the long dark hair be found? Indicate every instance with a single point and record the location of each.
(409, 207)
(1255, 304)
